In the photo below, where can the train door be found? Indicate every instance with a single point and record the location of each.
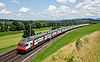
(44, 37)
(33, 43)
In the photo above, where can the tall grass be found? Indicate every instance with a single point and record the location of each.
(70, 37)
(85, 49)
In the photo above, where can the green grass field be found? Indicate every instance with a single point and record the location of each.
(9, 33)
(70, 37)
(9, 40)
(17, 32)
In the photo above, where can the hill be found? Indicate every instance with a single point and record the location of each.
(86, 51)
(68, 38)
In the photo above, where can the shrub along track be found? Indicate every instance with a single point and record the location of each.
(13, 56)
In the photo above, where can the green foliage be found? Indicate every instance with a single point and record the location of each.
(28, 31)
(55, 27)
(38, 25)
(3, 27)
(70, 58)
(54, 58)
(17, 25)
(12, 27)
(86, 39)
(26, 34)
(78, 44)
(39, 33)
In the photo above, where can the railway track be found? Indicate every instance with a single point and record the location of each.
(13, 56)
(8, 55)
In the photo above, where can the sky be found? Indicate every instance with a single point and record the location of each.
(49, 9)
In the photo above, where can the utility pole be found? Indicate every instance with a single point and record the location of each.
(30, 29)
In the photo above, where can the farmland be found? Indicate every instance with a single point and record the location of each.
(72, 36)
(9, 40)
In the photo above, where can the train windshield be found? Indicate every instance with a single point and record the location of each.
(22, 45)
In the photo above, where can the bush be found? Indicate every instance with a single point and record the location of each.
(78, 44)
(55, 27)
(70, 58)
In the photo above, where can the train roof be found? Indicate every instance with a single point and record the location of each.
(64, 27)
(52, 31)
(25, 40)
(38, 35)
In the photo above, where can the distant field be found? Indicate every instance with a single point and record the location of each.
(17, 32)
(9, 33)
(72, 36)
(9, 40)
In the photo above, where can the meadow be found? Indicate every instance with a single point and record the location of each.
(68, 38)
(9, 40)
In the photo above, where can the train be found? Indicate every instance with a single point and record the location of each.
(27, 44)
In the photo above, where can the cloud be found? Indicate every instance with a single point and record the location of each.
(15, 1)
(2, 6)
(24, 10)
(61, 9)
(66, 1)
(64, 8)
(51, 8)
(5, 11)
(62, 1)
(88, 8)
(71, 1)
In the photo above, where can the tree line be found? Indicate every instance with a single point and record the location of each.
(28, 26)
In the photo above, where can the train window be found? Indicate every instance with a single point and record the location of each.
(23, 45)
(36, 40)
(25, 40)
(40, 39)
(30, 43)
(26, 45)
